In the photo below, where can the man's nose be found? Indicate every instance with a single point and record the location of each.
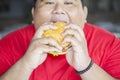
(59, 9)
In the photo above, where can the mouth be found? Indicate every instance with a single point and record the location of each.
(54, 21)
(60, 19)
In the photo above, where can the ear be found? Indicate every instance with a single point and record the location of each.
(85, 12)
(32, 12)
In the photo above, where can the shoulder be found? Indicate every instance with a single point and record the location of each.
(101, 42)
(17, 40)
(14, 45)
(19, 34)
(97, 31)
(97, 34)
(104, 49)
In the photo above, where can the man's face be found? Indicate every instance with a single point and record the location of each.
(70, 11)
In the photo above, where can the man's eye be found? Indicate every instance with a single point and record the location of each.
(68, 3)
(49, 2)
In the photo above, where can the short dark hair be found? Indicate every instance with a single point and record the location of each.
(83, 3)
(34, 2)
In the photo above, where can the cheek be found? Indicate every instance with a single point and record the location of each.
(41, 17)
(76, 17)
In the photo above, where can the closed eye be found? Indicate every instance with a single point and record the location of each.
(49, 3)
(68, 3)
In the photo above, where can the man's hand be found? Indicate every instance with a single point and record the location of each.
(77, 55)
(39, 47)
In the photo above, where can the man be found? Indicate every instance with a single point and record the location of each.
(94, 55)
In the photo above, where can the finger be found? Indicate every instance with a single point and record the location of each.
(76, 27)
(76, 46)
(74, 41)
(47, 49)
(73, 33)
(51, 42)
(42, 28)
(41, 46)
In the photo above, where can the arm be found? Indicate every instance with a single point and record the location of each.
(81, 60)
(34, 56)
(19, 71)
(78, 56)
(95, 72)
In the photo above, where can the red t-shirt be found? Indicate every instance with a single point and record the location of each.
(104, 50)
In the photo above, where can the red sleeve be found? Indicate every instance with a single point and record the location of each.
(112, 62)
(104, 49)
(10, 51)
(13, 47)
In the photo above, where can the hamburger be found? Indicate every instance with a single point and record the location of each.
(57, 36)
